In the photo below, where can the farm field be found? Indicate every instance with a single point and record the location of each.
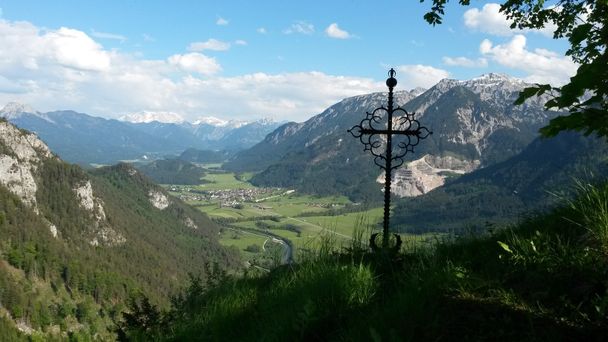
(221, 181)
(254, 216)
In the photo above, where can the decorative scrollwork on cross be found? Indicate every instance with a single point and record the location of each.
(389, 142)
(407, 130)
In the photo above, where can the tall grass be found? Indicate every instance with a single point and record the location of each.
(359, 244)
(591, 207)
(542, 279)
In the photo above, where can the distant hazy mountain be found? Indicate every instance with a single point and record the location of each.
(76, 245)
(203, 156)
(82, 138)
(474, 124)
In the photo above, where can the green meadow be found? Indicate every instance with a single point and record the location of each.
(298, 218)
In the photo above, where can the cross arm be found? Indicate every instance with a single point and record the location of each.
(386, 131)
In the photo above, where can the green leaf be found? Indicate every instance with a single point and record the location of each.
(533, 245)
(505, 246)
(527, 93)
(580, 33)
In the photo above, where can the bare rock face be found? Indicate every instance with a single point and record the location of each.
(107, 236)
(158, 199)
(188, 222)
(427, 173)
(53, 230)
(102, 232)
(19, 180)
(20, 155)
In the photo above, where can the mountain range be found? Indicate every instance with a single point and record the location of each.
(474, 124)
(85, 139)
(483, 164)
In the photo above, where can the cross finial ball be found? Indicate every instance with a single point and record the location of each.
(391, 82)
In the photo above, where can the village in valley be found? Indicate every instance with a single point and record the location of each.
(226, 197)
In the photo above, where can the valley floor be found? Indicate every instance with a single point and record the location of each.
(259, 222)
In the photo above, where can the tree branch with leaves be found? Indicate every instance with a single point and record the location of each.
(583, 23)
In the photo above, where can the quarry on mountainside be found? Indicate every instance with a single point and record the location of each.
(420, 176)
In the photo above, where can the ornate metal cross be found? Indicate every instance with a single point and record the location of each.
(389, 142)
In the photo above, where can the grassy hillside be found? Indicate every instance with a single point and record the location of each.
(544, 279)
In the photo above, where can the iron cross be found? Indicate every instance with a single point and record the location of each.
(400, 140)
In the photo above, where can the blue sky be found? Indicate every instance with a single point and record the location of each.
(249, 59)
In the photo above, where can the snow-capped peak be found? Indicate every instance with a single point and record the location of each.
(483, 83)
(217, 122)
(417, 91)
(493, 77)
(237, 123)
(266, 121)
(211, 120)
(149, 116)
(14, 109)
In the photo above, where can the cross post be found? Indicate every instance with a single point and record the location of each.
(372, 136)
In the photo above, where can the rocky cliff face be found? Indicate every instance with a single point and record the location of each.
(158, 199)
(22, 155)
(102, 232)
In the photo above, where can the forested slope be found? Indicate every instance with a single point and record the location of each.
(74, 246)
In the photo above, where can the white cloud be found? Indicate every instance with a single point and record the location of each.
(334, 31)
(240, 42)
(412, 76)
(211, 44)
(542, 66)
(261, 30)
(105, 35)
(466, 62)
(300, 27)
(67, 69)
(74, 49)
(195, 62)
(221, 21)
(148, 38)
(490, 20)
(287, 96)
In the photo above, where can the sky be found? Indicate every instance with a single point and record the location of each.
(246, 60)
